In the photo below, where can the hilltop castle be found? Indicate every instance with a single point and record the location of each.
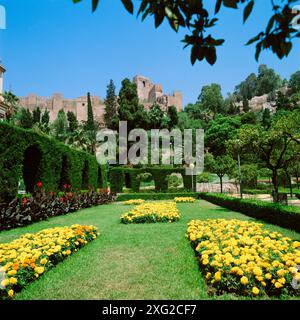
(148, 94)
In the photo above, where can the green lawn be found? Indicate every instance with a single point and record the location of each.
(152, 261)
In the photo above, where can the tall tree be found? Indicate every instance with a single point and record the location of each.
(130, 109)
(211, 98)
(24, 118)
(60, 125)
(155, 116)
(220, 165)
(36, 114)
(73, 122)
(90, 124)
(266, 118)
(111, 106)
(173, 116)
(294, 82)
(46, 117)
(12, 102)
(267, 80)
(247, 88)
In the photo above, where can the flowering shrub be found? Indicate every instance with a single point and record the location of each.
(28, 257)
(184, 199)
(152, 212)
(134, 201)
(242, 257)
(42, 205)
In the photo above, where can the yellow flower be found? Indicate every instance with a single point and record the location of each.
(268, 276)
(5, 283)
(255, 291)
(11, 272)
(218, 276)
(43, 261)
(278, 285)
(10, 293)
(13, 280)
(244, 281)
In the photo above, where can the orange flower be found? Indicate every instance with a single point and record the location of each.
(32, 265)
(16, 266)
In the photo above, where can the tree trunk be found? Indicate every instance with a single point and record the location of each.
(221, 184)
(275, 185)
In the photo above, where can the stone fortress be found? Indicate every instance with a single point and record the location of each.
(148, 93)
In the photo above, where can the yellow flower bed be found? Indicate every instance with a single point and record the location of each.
(152, 212)
(134, 201)
(28, 257)
(184, 199)
(242, 257)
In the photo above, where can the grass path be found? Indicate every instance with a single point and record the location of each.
(152, 261)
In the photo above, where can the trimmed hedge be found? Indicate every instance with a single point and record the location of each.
(156, 196)
(281, 215)
(121, 175)
(36, 157)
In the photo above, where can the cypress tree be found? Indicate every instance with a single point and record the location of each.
(90, 124)
(111, 107)
(45, 117)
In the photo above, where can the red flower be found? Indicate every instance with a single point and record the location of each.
(51, 193)
(24, 200)
(70, 194)
(39, 184)
(61, 199)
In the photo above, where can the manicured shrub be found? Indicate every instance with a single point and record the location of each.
(25, 154)
(156, 196)
(281, 215)
(117, 179)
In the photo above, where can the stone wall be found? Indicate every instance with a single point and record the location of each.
(148, 94)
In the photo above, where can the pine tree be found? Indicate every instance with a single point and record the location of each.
(73, 122)
(90, 124)
(111, 107)
(36, 114)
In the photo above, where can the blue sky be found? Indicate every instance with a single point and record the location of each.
(55, 46)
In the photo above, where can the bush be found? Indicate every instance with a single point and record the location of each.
(281, 215)
(21, 212)
(156, 196)
(174, 181)
(204, 177)
(35, 157)
(132, 176)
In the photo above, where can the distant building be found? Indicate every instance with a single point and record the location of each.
(3, 107)
(148, 94)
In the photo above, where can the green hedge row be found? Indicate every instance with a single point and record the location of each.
(118, 176)
(281, 215)
(156, 196)
(35, 157)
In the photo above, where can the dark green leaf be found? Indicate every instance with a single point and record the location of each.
(248, 10)
(128, 5)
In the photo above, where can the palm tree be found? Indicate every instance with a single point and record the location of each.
(11, 102)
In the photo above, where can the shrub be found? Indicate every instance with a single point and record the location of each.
(281, 215)
(155, 196)
(28, 257)
(242, 257)
(174, 181)
(204, 177)
(35, 157)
